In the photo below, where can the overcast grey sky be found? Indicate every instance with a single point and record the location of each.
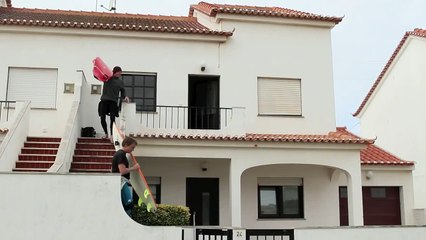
(362, 43)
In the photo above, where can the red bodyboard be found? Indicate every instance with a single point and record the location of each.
(100, 70)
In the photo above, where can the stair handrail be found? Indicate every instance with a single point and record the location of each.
(65, 153)
(66, 148)
(13, 141)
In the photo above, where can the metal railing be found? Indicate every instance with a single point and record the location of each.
(250, 234)
(213, 234)
(4, 110)
(185, 117)
(263, 234)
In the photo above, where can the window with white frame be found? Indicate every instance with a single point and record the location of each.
(279, 96)
(280, 198)
(38, 85)
(141, 88)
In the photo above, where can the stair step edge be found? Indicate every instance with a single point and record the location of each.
(36, 154)
(29, 169)
(35, 161)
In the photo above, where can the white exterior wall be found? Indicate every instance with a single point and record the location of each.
(282, 51)
(172, 60)
(396, 115)
(321, 196)
(72, 206)
(391, 177)
(255, 50)
(174, 171)
(388, 233)
(173, 161)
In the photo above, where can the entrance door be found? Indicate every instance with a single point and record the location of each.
(203, 102)
(381, 206)
(202, 198)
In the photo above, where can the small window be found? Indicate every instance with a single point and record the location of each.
(343, 192)
(280, 201)
(277, 96)
(154, 184)
(142, 89)
(378, 192)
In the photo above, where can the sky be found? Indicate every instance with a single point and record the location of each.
(362, 43)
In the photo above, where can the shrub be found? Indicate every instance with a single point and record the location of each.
(166, 215)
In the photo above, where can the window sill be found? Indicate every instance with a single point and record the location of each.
(281, 219)
(280, 115)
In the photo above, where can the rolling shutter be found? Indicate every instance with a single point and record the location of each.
(279, 181)
(279, 96)
(38, 85)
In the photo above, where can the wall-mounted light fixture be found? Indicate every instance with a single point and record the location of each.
(369, 174)
(204, 166)
(68, 87)
(96, 89)
(203, 67)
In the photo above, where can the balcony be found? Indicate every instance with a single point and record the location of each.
(183, 120)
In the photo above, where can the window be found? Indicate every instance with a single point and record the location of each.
(38, 85)
(378, 192)
(154, 184)
(279, 96)
(280, 198)
(142, 89)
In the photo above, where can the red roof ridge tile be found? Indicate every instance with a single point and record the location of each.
(105, 21)
(213, 9)
(332, 137)
(109, 14)
(416, 32)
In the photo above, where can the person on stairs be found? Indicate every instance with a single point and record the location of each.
(112, 90)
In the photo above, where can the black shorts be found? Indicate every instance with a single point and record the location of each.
(107, 107)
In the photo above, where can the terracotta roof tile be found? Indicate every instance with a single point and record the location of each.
(4, 130)
(104, 21)
(213, 9)
(332, 137)
(416, 32)
(373, 155)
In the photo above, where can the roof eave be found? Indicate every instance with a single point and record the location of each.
(219, 37)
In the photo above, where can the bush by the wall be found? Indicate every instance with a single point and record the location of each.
(166, 215)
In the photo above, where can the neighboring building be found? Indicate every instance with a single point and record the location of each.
(393, 111)
(233, 109)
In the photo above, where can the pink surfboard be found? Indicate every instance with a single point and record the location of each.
(100, 70)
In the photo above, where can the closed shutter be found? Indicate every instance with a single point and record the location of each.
(279, 96)
(279, 181)
(38, 85)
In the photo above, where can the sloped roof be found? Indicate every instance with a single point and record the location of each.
(104, 21)
(213, 9)
(332, 137)
(373, 155)
(416, 32)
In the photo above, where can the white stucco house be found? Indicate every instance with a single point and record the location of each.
(396, 95)
(232, 107)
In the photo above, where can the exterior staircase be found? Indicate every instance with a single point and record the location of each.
(92, 155)
(38, 154)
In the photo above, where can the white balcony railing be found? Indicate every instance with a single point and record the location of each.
(183, 120)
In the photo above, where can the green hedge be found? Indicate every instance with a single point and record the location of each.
(166, 215)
